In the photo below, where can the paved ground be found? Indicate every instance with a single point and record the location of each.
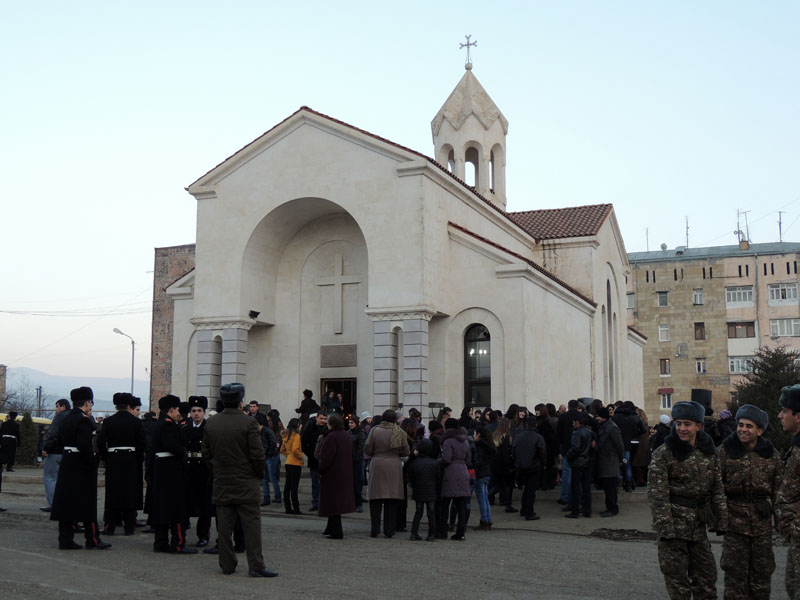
(552, 558)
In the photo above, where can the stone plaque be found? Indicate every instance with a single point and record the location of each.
(344, 355)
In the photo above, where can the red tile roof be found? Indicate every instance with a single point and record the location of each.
(576, 221)
(528, 261)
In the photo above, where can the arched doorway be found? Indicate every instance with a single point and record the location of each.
(477, 366)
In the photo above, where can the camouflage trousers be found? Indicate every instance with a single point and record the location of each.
(689, 569)
(748, 563)
(793, 568)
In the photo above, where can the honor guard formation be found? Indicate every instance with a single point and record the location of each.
(702, 476)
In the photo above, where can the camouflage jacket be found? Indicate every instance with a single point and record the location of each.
(787, 505)
(685, 489)
(751, 479)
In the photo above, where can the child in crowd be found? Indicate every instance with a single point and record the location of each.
(424, 475)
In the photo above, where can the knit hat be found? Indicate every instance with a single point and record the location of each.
(691, 411)
(664, 419)
(790, 397)
(754, 414)
(603, 413)
(365, 415)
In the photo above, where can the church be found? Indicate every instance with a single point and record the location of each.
(332, 259)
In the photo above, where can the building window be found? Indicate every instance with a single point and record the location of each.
(739, 296)
(740, 270)
(744, 329)
(662, 299)
(784, 327)
(700, 366)
(699, 331)
(631, 300)
(739, 365)
(782, 294)
(663, 332)
(663, 365)
(666, 401)
(477, 366)
(697, 296)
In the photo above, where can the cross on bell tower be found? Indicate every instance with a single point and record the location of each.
(468, 45)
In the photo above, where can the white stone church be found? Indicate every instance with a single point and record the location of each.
(330, 258)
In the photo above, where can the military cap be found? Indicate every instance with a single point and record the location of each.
(81, 394)
(754, 414)
(790, 397)
(691, 411)
(200, 401)
(168, 401)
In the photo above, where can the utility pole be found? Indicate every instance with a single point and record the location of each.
(687, 231)
(780, 225)
(746, 226)
(39, 401)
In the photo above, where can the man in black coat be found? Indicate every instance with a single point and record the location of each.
(9, 440)
(75, 497)
(530, 456)
(308, 439)
(631, 427)
(198, 479)
(167, 455)
(52, 453)
(564, 435)
(121, 443)
(579, 459)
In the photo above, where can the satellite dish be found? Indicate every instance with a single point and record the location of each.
(663, 246)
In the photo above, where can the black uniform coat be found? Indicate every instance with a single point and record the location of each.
(168, 503)
(198, 479)
(75, 497)
(123, 469)
(8, 445)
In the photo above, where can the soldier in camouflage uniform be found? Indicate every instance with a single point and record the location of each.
(687, 498)
(787, 506)
(751, 474)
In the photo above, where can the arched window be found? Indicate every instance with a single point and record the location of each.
(471, 166)
(477, 366)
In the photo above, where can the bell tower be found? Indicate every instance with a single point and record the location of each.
(469, 138)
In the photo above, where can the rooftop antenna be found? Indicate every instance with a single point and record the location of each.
(780, 225)
(687, 231)
(746, 226)
(647, 239)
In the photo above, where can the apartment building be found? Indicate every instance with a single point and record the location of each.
(706, 311)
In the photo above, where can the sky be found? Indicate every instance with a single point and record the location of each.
(669, 110)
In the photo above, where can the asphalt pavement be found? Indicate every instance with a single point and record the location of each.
(553, 557)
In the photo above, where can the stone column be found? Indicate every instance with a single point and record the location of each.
(384, 366)
(415, 363)
(209, 366)
(234, 355)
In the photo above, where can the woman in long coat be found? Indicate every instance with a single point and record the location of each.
(455, 482)
(336, 494)
(387, 444)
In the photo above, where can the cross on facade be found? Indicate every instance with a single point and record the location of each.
(338, 281)
(467, 46)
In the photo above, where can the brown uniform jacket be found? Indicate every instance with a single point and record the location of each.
(685, 482)
(234, 454)
(751, 478)
(787, 505)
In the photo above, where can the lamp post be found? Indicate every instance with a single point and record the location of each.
(133, 347)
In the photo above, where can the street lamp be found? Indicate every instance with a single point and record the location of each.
(133, 347)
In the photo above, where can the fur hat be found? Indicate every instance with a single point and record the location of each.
(200, 401)
(135, 401)
(231, 393)
(167, 402)
(754, 414)
(691, 411)
(123, 399)
(790, 397)
(81, 395)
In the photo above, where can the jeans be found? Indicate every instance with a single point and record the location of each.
(431, 510)
(314, 487)
(628, 471)
(482, 496)
(271, 476)
(50, 475)
(581, 482)
(566, 488)
(290, 487)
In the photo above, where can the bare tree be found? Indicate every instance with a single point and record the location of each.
(20, 395)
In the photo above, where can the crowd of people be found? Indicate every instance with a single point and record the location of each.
(222, 465)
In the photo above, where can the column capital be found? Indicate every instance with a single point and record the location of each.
(222, 323)
(401, 313)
